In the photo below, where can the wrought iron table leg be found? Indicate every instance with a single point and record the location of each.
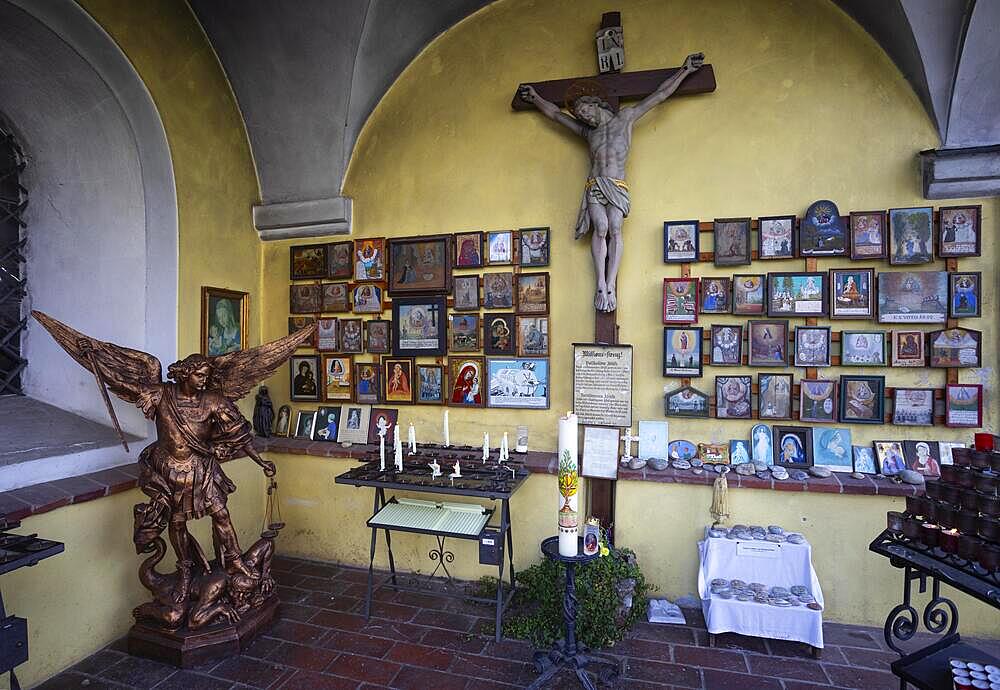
(504, 534)
(510, 541)
(371, 561)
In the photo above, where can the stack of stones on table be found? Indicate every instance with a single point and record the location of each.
(760, 593)
(772, 533)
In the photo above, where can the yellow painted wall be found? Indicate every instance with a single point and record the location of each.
(82, 599)
(807, 107)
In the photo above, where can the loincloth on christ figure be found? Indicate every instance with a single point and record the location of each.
(604, 191)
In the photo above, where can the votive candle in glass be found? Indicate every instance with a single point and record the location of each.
(948, 540)
(894, 521)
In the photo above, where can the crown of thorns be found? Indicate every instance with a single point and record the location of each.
(587, 91)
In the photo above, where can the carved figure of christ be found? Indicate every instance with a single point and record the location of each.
(606, 200)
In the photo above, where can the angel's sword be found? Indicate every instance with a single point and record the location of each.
(88, 350)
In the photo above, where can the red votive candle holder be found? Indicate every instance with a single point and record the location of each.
(894, 521)
(989, 557)
(985, 441)
(911, 528)
(945, 515)
(929, 535)
(948, 540)
(969, 547)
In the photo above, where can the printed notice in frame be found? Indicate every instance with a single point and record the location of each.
(600, 452)
(602, 384)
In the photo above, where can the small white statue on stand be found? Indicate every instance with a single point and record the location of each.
(504, 449)
(435, 468)
(486, 446)
(412, 437)
(458, 470)
(398, 452)
(381, 443)
(447, 435)
(628, 439)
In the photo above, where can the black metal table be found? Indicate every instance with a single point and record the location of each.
(490, 481)
(928, 668)
(567, 652)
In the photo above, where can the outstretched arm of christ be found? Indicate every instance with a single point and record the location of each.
(665, 90)
(551, 110)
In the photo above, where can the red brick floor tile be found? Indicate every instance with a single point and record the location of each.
(642, 649)
(323, 584)
(392, 611)
(707, 657)
(310, 680)
(297, 612)
(866, 658)
(364, 668)
(359, 575)
(443, 619)
(253, 672)
(70, 680)
(508, 649)
(789, 648)
(338, 620)
(302, 657)
(517, 673)
(658, 672)
(676, 634)
(451, 639)
(81, 488)
(723, 680)
(801, 685)
(285, 564)
(419, 655)
(427, 601)
(188, 680)
(136, 671)
(782, 667)
(411, 678)
(317, 570)
(334, 602)
(851, 677)
(734, 641)
(292, 595)
(292, 631)
(850, 636)
(353, 643)
(260, 647)
(95, 663)
(393, 630)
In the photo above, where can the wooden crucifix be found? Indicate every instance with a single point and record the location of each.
(593, 102)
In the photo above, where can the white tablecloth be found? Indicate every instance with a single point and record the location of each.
(782, 565)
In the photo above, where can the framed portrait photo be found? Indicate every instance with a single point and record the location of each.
(367, 299)
(304, 377)
(419, 326)
(862, 349)
(466, 293)
(498, 291)
(419, 265)
(305, 422)
(862, 399)
(367, 383)
(864, 460)
(334, 298)
(466, 381)
(913, 407)
(499, 333)
(774, 396)
(963, 405)
(792, 446)
(955, 348)
(532, 336)
(822, 231)
(812, 346)
(680, 300)
(350, 336)
(431, 384)
(224, 321)
(499, 247)
(732, 397)
(868, 235)
(686, 402)
(767, 343)
(959, 231)
(796, 294)
(338, 378)
(468, 249)
(748, 294)
(913, 297)
(682, 351)
(327, 424)
(776, 237)
(908, 349)
(327, 334)
(339, 260)
(463, 333)
(832, 449)
(534, 247)
(369, 261)
(378, 334)
(817, 401)
(305, 299)
(716, 296)
(397, 372)
(680, 241)
(732, 241)
(727, 345)
(307, 261)
(354, 420)
(297, 323)
(964, 295)
(533, 293)
(518, 383)
(852, 293)
(910, 235)
(283, 421)
(889, 456)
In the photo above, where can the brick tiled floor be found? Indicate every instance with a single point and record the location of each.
(427, 642)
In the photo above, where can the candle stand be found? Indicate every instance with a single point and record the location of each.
(567, 652)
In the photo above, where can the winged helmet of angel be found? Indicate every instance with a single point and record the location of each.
(197, 425)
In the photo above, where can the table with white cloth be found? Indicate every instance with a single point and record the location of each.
(773, 564)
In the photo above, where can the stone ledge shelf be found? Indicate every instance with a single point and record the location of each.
(545, 463)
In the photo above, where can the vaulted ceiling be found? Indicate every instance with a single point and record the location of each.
(308, 73)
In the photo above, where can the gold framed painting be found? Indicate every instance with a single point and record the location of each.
(224, 320)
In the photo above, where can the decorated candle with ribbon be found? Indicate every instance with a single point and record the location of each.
(569, 482)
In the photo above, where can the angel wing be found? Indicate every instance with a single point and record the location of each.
(236, 373)
(126, 372)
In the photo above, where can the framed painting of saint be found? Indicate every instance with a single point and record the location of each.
(351, 340)
(868, 235)
(963, 405)
(716, 296)
(767, 343)
(498, 291)
(305, 299)
(862, 349)
(862, 399)
(774, 397)
(338, 374)
(297, 323)
(499, 247)
(339, 263)
(466, 381)
(335, 298)
(732, 241)
(748, 294)
(378, 335)
(304, 378)
(817, 401)
(468, 249)
(307, 261)
(727, 345)
(910, 235)
(431, 384)
(776, 237)
(852, 292)
(822, 231)
(499, 334)
(792, 446)
(913, 297)
(533, 293)
(367, 382)
(419, 265)
(796, 294)
(959, 232)
(328, 334)
(955, 348)
(224, 321)
(908, 349)
(397, 372)
(913, 407)
(686, 402)
(682, 352)
(463, 335)
(369, 260)
(732, 397)
(812, 346)
(532, 336)
(680, 300)
(534, 247)
(964, 295)
(680, 241)
(466, 290)
(419, 326)
(367, 299)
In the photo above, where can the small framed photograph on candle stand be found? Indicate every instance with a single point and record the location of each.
(600, 452)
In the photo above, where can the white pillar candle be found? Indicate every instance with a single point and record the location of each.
(398, 452)
(381, 450)
(486, 446)
(568, 484)
(504, 449)
(447, 437)
(412, 436)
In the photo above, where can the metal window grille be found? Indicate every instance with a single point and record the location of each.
(13, 282)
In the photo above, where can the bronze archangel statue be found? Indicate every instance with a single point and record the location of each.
(197, 425)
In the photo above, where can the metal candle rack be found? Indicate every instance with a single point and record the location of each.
(490, 481)
(18, 551)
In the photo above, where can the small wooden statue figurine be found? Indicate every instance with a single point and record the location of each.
(263, 413)
(197, 425)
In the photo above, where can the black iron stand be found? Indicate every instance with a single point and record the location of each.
(567, 652)
(928, 668)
